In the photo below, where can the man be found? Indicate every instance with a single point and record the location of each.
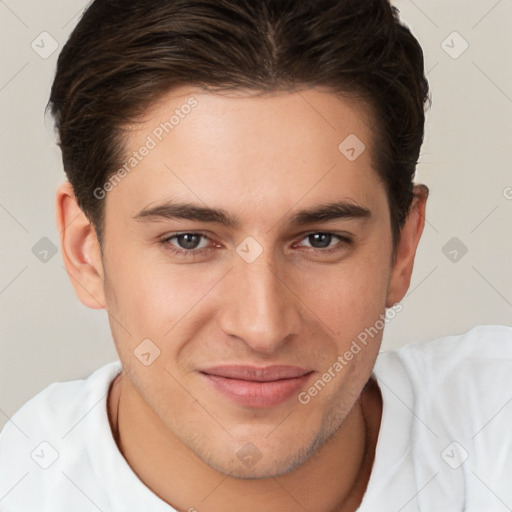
(240, 200)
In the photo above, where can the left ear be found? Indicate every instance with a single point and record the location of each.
(406, 249)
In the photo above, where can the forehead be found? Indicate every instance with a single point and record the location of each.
(245, 150)
(219, 115)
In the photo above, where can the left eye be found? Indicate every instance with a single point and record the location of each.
(320, 240)
(189, 241)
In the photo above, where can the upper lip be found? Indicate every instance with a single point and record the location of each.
(255, 373)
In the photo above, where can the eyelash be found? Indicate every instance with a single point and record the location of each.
(191, 253)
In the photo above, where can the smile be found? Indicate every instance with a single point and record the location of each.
(257, 387)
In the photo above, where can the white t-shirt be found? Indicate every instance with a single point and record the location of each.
(445, 441)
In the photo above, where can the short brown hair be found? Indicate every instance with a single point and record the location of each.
(125, 54)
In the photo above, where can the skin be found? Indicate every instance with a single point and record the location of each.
(261, 159)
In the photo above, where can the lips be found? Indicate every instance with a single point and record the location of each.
(257, 387)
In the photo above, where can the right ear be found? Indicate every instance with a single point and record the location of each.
(80, 249)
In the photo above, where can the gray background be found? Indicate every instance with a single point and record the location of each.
(46, 334)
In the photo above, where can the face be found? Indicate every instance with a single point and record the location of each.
(244, 254)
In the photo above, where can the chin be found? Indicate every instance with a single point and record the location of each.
(257, 472)
(251, 463)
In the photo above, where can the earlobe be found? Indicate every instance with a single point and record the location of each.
(406, 250)
(80, 249)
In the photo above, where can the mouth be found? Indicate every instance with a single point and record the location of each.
(257, 387)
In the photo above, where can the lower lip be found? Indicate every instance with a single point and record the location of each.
(255, 394)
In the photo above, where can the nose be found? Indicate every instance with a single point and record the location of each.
(260, 306)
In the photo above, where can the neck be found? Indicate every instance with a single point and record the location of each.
(184, 481)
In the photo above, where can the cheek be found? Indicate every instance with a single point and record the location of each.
(139, 295)
(152, 297)
(349, 301)
(349, 296)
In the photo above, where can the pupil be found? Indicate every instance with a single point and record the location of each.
(321, 239)
(188, 241)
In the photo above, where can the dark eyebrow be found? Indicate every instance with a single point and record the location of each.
(330, 211)
(189, 211)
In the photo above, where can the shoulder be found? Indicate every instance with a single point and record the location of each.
(470, 373)
(40, 442)
(61, 403)
(449, 405)
(483, 352)
(486, 339)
